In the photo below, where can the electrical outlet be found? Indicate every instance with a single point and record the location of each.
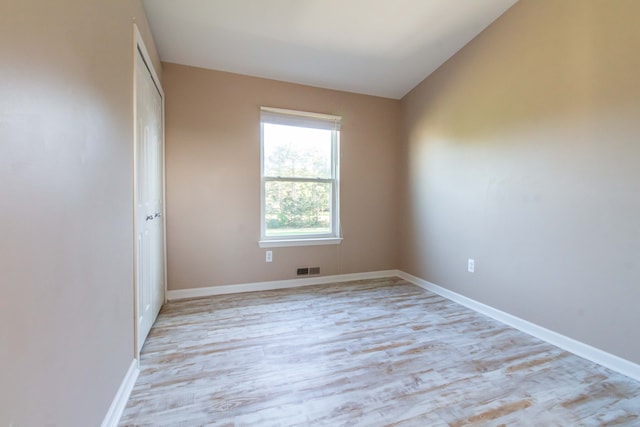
(471, 265)
(269, 256)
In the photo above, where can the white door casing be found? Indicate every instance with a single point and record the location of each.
(149, 195)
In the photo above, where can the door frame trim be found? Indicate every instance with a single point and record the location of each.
(139, 46)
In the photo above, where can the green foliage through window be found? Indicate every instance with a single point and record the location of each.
(297, 205)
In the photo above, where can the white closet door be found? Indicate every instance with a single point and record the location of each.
(149, 200)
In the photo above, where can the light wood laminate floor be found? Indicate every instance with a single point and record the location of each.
(367, 353)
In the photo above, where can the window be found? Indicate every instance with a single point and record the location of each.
(299, 167)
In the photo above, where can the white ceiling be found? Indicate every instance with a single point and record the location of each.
(374, 47)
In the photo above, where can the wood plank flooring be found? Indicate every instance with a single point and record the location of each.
(367, 353)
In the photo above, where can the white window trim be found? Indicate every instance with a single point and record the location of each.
(333, 238)
(315, 241)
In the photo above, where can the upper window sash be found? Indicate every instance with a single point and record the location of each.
(280, 116)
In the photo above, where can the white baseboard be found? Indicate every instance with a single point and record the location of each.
(277, 284)
(122, 396)
(578, 348)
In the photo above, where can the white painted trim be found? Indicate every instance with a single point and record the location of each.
(122, 396)
(278, 284)
(139, 44)
(270, 115)
(300, 242)
(578, 348)
(613, 362)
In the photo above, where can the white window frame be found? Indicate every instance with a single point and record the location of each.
(301, 118)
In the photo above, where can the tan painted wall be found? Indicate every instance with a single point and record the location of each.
(66, 210)
(213, 179)
(523, 152)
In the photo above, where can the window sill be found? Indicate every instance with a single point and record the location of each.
(299, 242)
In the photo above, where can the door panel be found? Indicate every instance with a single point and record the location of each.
(149, 201)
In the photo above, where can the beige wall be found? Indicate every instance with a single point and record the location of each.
(523, 152)
(213, 179)
(66, 239)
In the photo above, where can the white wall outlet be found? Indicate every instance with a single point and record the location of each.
(268, 256)
(471, 265)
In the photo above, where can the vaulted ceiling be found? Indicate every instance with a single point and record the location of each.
(374, 47)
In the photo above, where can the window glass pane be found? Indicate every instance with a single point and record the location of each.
(294, 208)
(296, 152)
